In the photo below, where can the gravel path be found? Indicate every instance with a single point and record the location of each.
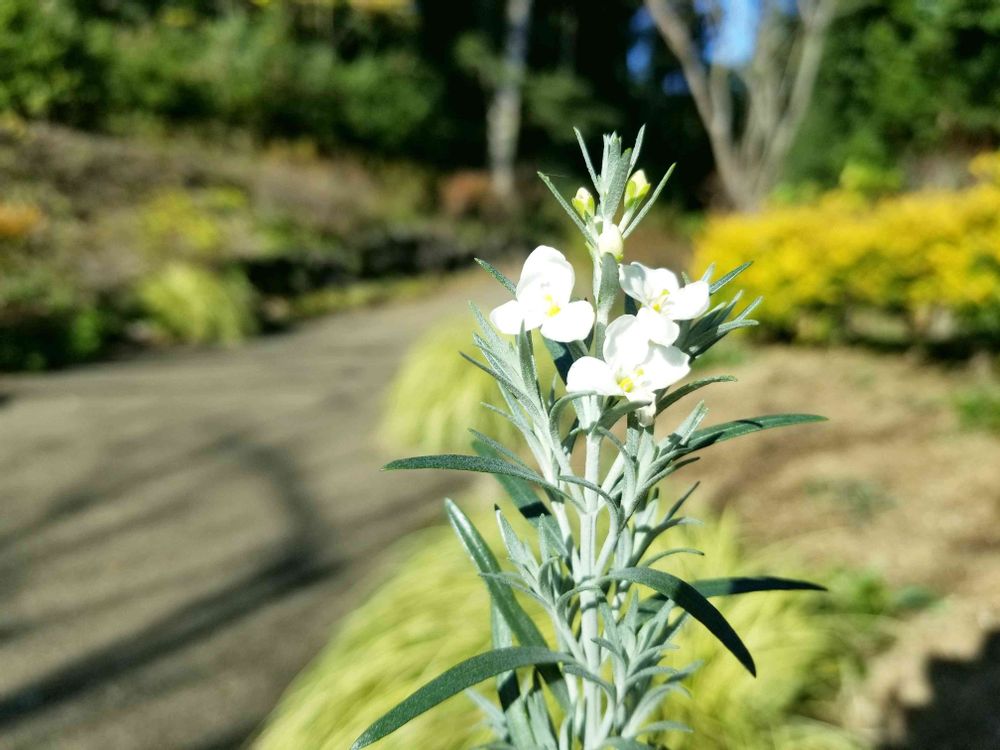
(178, 534)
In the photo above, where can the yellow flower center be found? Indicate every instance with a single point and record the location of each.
(661, 301)
(626, 384)
(553, 307)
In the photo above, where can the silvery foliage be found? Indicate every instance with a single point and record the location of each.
(587, 562)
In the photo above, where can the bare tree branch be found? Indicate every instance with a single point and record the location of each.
(778, 82)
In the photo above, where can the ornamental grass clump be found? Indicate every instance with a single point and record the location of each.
(605, 677)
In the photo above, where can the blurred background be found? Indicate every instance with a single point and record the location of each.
(235, 249)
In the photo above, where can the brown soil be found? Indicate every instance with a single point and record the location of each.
(891, 483)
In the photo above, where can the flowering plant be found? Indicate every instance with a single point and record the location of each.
(603, 682)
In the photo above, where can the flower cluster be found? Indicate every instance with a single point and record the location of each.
(638, 357)
(591, 526)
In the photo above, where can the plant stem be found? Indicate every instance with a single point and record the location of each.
(589, 626)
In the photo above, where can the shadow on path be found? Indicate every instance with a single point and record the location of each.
(964, 711)
(294, 564)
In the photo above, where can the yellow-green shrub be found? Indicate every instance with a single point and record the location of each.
(437, 395)
(194, 305)
(432, 613)
(195, 225)
(931, 257)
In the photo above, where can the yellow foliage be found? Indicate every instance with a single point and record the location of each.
(917, 255)
(18, 220)
(190, 304)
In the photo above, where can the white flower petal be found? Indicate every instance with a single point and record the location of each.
(632, 278)
(546, 273)
(688, 302)
(663, 366)
(625, 342)
(660, 281)
(657, 327)
(509, 317)
(572, 323)
(591, 374)
(646, 284)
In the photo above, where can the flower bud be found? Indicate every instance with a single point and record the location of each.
(611, 241)
(583, 202)
(636, 188)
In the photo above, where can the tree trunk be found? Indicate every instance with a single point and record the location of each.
(778, 81)
(503, 120)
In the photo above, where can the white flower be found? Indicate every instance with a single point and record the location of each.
(663, 300)
(632, 367)
(543, 300)
(611, 242)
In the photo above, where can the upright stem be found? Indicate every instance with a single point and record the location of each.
(589, 626)
(601, 323)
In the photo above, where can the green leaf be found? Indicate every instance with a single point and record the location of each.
(579, 481)
(575, 668)
(671, 397)
(562, 357)
(621, 743)
(460, 677)
(616, 186)
(566, 207)
(504, 602)
(729, 430)
(649, 203)
(499, 451)
(688, 598)
(728, 277)
(526, 355)
(520, 491)
(687, 428)
(492, 271)
(606, 294)
(557, 408)
(637, 149)
(611, 416)
(460, 462)
(508, 689)
(586, 159)
(732, 586)
(520, 553)
(504, 382)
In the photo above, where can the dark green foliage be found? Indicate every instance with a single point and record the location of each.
(899, 78)
(692, 601)
(455, 680)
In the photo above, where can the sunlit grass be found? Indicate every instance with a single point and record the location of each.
(432, 611)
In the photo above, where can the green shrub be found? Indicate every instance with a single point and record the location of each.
(385, 100)
(979, 408)
(413, 627)
(53, 337)
(38, 45)
(193, 305)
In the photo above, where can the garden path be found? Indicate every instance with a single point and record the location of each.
(179, 533)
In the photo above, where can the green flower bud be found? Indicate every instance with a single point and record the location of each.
(611, 241)
(636, 188)
(583, 202)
